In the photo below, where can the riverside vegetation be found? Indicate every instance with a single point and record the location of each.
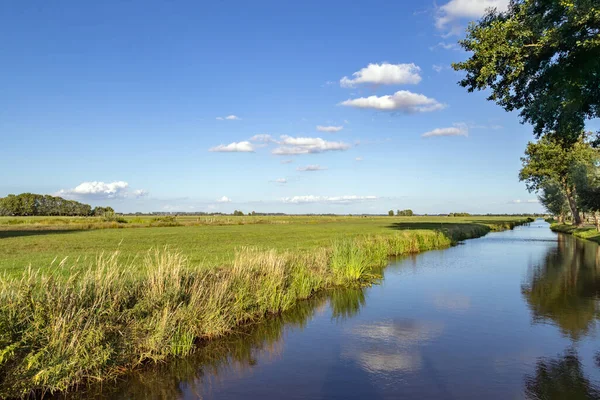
(72, 323)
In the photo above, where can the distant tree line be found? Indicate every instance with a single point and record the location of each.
(31, 204)
(402, 213)
(459, 214)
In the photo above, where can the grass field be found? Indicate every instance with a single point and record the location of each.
(100, 313)
(208, 241)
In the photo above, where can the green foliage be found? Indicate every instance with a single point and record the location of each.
(102, 211)
(541, 57)
(553, 199)
(549, 163)
(30, 204)
(391, 213)
(405, 213)
(459, 214)
(238, 213)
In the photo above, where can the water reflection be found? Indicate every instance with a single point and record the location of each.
(235, 354)
(390, 346)
(346, 303)
(560, 378)
(564, 288)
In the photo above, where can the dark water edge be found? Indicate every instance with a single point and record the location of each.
(510, 315)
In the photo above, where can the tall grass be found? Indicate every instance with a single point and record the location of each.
(107, 318)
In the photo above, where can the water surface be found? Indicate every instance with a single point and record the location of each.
(511, 315)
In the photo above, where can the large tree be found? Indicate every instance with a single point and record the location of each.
(550, 161)
(541, 57)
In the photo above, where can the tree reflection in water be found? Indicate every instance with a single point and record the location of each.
(560, 378)
(564, 289)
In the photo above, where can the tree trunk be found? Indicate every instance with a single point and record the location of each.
(597, 221)
(573, 206)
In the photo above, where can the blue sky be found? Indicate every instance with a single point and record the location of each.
(126, 104)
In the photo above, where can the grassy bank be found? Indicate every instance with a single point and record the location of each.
(212, 242)
(79, 322)
(585, 232)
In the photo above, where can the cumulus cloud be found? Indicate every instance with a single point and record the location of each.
(358, 159)
(229, 118)
(262, 137)
(305, 145)
(311, 168)
(97, 189)
(451, 14)
(384, 74)
(241, 147)
(329, 129)
(527, 201)
(224, 199)
(403, 101)
(456, 130)
(140, 193)
(327, 199)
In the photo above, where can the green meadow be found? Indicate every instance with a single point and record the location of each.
(45, 242)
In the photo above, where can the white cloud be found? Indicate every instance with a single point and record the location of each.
(402, 100)
(97, 189)
(439, 67)
(384, 74)
(358, 159)
(281, 181)
(241, 147)
(456, 130)
(527, 201)
(229, 118)
(455, 11)
(262, 137)
(329, 129)
(140, 193)
(327, 199)
(224, 199)
(286, 161)
(305, 145)
(311, 168)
